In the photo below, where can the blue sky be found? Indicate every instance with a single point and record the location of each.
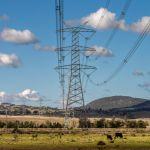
(36, 70)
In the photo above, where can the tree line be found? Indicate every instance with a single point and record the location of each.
(103, 123)
(29, 124)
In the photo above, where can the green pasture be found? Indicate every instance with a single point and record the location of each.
(82, 141)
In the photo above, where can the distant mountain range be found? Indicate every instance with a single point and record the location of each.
(113, 102)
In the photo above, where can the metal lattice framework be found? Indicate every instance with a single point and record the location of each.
(74, 95)
(60, 42)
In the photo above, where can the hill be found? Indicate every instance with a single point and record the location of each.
(113, 102)
(118, 106)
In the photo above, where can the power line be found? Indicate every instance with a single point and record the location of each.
(138, 42)
(115, 29)
(122, 16)
(101, 17)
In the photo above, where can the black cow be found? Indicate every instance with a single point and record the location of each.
(118, 135)
(101, 143)
(109, 137)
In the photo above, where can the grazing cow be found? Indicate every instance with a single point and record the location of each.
(118, 135)
(109, 137)
(101, 143)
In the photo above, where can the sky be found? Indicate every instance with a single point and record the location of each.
(28, 41)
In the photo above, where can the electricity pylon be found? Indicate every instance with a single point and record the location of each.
(75, 94)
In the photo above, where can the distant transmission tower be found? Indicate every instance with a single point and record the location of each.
(74, 65)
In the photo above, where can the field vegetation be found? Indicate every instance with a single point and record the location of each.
(92, 134)
(81, 141)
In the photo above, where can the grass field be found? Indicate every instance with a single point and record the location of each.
(76, 139)
(42, 119)
(73, 142)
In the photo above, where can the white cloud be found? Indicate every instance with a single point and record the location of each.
(107, 20)
(138, 73)
(18, 36)
(4, 17)
(140, 24)
(9, 60)
(2, 93)
(104, 19)
(99, 51)
(29, 94)
(4, 97)
(44, 48)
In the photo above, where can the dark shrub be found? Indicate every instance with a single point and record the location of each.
(131, 124)
(141, 124)
(116, 123)
(101, 123)
(84, 123)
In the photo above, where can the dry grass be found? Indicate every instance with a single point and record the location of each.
(43, 119)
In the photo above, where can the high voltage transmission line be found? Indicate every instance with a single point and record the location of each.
(115, 29)
(77, 65)
(101, 18)
(86, 40)
(132, 51)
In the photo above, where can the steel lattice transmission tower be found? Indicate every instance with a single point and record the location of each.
(74, 94)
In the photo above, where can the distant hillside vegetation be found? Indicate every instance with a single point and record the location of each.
(144, 105)
(107, 103)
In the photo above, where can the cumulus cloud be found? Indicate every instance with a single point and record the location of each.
(18, 36)
(11, 60)
(99, 51)
(27, 95)
(44, 48)
(4, 97)
(138, 73)
(108, 20)
(140, 24)
(104, 19)
(4, 17)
